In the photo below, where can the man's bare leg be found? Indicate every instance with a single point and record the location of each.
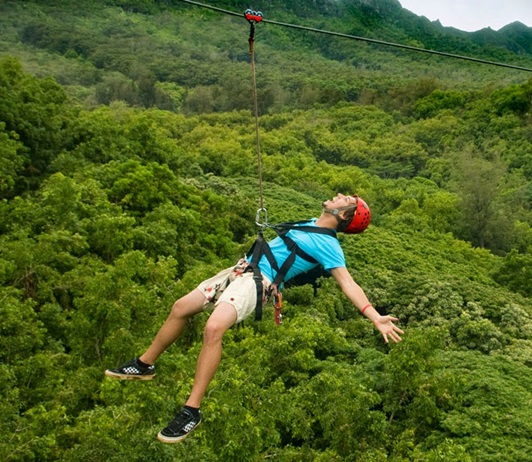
(182, 310)
(189, 417)
(223, 317)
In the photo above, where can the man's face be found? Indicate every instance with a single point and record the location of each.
(340, 201)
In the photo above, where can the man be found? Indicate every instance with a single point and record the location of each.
(234, 295)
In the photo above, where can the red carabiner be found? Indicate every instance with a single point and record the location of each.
(253, 16)
(278, 306)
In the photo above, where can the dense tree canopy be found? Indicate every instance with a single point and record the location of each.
(122, 186)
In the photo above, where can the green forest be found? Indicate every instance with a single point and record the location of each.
(129, 173)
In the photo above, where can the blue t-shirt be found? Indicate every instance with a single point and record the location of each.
(322, 247)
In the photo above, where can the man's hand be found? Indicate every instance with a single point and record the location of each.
(388, 329)
(357, 296)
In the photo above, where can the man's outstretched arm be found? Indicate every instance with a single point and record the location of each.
(385, 324)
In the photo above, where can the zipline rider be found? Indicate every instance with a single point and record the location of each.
(233, 292)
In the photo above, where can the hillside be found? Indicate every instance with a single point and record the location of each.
(179, 56)
(128, 173)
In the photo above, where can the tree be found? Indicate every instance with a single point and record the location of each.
(437, 101)
(11, 162)
(515, 98)
(516, 272)
(477, 181)
(33, 111)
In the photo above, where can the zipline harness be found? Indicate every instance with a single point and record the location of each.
(261, 248)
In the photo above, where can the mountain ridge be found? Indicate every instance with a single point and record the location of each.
(155, 54)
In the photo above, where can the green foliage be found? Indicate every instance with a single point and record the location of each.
(18, 344)
(11, 162)
(111, 210)
(516, 273)
(515, 98)
(33, 114)
(437, 101)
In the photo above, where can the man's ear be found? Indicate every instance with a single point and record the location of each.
(342, 214)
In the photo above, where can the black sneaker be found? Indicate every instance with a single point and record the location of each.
(132, 370)
(179, 428)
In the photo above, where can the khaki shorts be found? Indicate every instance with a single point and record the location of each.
(235, 287)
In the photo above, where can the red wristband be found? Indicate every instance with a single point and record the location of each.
(365, 308)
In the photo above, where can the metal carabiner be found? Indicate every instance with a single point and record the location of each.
(261, 211)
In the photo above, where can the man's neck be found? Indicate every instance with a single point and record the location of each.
(327, 220)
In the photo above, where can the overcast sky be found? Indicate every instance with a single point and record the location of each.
(472, 15)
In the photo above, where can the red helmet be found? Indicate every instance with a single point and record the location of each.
(361, 218)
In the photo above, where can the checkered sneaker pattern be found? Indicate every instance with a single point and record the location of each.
(179, 428)
(132, 370)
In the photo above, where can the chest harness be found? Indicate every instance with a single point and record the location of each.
(261, 248)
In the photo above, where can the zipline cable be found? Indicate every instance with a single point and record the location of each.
(366, 39)
(398, 45)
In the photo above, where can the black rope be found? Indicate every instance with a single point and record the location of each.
(369, 40)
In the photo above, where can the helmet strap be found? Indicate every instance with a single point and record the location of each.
(335, 212)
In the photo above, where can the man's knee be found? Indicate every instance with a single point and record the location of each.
(178, 309)
(188, 306)
(223, 317)
(214, 331)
